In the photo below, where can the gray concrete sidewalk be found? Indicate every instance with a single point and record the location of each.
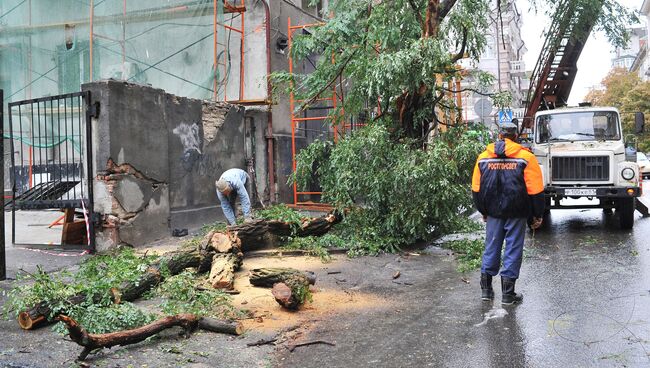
(32, 228)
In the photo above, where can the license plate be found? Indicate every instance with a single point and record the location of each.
(580, 192)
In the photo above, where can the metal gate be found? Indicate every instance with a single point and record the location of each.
(51, 164)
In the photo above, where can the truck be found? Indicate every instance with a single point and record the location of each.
(584, 153)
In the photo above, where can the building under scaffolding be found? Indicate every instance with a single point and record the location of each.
(217, 50)
(49, 48)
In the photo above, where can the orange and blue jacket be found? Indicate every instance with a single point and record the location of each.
(507, 182)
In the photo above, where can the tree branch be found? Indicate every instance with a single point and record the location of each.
(461, 53)
(466, 89)
(336, 76)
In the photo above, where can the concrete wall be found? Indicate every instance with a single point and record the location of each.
(156, 157)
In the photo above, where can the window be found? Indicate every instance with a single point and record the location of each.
(490, 48)
(578, 126)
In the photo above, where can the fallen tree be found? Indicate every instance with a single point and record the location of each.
(251, 233)
(174, 262)
(188, 322)
(219, 252)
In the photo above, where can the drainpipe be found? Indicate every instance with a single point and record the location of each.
(269, 119)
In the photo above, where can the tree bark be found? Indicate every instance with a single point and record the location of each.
(189, 322)
(292, 292)
(130, 291)
(222, 243)
(252, 233)
(267, 277)
(222, 274)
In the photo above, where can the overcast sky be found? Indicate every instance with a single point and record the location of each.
(595, 60)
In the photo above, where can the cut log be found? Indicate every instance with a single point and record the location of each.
(222, 243)
(320, 225)
(292, 292)
(267, 277)
(249, 234)
(189, 322)
(38, 315)
(283, 295)
(174, 262)
(252, 233)
(130, 291)
(222, 274)
(220, 326)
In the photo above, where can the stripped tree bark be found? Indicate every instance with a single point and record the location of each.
(189, 323)
(224, 266)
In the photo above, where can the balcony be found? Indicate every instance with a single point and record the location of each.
(517, 68)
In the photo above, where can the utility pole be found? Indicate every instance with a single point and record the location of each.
(3, 262)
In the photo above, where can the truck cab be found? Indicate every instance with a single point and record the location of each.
(583, 153)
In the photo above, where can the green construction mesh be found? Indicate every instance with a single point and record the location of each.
(46, 49)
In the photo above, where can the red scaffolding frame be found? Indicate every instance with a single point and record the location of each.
(228, 8)
(295, 120)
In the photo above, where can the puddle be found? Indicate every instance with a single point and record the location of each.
(492, 314)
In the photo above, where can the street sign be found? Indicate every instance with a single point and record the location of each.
(505, 116)
(483, 107)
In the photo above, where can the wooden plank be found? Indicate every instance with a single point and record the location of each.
(74, 232)
(69, 215)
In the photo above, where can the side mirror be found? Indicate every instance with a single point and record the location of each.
(639, 122)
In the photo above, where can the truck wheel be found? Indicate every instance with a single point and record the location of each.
(625, 209)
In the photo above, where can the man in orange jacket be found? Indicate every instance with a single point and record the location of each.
(508, 189)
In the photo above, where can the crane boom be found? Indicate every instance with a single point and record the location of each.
(556, 68)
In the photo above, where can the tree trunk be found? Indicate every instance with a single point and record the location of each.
(189, 322)
(251, 233)
(292, 292)
(267, 277)
(222, 274)
(130, 291)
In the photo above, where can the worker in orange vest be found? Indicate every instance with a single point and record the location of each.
(507, 187)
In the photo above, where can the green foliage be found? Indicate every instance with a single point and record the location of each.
(100, 273)
(394, 194)
(95, 277)
(469, 253)
(628, 93)
(54, 290)
(379, 46)
(182, 296)
(282, 212)
(303, 294)
(102, 318)
(217, 226)
(97, 313)
(611, 18)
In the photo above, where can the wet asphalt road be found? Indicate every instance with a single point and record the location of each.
(586, 286)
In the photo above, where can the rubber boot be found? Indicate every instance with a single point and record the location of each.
(487, 293)
(508, 295)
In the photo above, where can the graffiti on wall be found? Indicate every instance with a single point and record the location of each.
(190, 137)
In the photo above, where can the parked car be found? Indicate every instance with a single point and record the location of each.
(644, 165)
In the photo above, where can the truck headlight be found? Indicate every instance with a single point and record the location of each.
(627, 173)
